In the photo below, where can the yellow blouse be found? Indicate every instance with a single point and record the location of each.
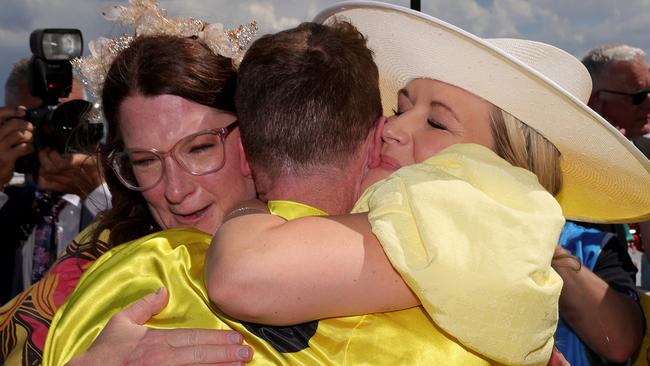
(473, 237)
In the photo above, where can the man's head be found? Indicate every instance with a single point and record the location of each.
(619, 73)
(307, 99)
(17, 88)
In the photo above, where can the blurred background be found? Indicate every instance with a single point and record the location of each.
(575, 26)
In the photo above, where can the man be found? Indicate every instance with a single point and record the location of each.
(316, 138)
(621, 83)
(75, 177)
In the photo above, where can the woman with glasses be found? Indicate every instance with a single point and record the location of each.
(171, 160)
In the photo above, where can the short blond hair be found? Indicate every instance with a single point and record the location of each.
(522, 146)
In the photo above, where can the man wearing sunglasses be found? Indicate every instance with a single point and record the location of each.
(621, 83)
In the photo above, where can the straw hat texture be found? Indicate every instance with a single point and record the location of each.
(606, 178)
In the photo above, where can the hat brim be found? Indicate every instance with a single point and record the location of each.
(605, 177)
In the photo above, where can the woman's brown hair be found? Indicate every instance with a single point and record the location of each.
(153, 66)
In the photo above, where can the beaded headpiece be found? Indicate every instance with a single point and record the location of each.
(148, 19)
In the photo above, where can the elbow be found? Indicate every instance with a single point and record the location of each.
(627, 346)
(237, 291)
(620, 354)
(621, 348)
(630, 337)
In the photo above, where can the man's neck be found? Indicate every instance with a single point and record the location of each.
(332, 192)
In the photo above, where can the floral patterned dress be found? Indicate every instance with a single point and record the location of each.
(25, 320)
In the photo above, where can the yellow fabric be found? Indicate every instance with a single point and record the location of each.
(174, 259)
(290, 210)
(473, 237)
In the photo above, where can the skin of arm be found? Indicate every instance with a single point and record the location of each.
(261, 268)
(607, 321)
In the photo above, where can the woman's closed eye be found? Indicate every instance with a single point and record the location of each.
(397, 112)
(203, 148)
(142, 160)
(436, 124)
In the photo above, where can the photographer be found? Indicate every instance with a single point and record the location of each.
(66, 192)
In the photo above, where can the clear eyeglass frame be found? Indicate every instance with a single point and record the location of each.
(119, 160)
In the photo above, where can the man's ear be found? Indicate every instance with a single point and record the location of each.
(374, 150)
(243, 162)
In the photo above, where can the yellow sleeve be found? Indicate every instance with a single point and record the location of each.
(474, 237)
(172, 259)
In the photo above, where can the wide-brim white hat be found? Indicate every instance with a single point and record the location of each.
(606, 178)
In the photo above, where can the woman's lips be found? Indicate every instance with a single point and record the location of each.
(192, 216)
(389, 163)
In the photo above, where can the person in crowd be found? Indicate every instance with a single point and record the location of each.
(61, 347)
(604, 287)
(181, 125)
(621, 83)
(601, 320)
(44, 212)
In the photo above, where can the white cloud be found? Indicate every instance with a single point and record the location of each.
(575, 26)
(264, 13)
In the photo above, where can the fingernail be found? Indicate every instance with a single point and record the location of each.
(159, 291)
(244, 353)
(235, 338)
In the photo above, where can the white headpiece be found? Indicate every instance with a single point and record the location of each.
(148, 19)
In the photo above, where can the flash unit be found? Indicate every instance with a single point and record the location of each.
(50, 76)
(56, 44)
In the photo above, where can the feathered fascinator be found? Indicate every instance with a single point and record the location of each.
(148, 19)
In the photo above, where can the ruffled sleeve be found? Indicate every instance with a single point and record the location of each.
(474, 237)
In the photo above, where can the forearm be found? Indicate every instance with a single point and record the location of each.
(608, 322)
(292, 272)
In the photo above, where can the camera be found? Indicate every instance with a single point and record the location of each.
(60, 126)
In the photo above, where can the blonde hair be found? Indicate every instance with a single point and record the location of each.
(522, 146)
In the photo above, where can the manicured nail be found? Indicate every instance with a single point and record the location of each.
(244, 353)
(235, 338)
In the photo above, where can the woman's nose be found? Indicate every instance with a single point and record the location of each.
(178, 183)
(394, 131)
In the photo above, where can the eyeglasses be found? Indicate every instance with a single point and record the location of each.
(198, 154)
(637, 97)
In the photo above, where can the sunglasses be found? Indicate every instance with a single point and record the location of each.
(637, 97)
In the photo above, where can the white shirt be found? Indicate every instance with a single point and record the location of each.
(67, 226)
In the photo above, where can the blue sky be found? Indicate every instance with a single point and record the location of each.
(575, 26)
